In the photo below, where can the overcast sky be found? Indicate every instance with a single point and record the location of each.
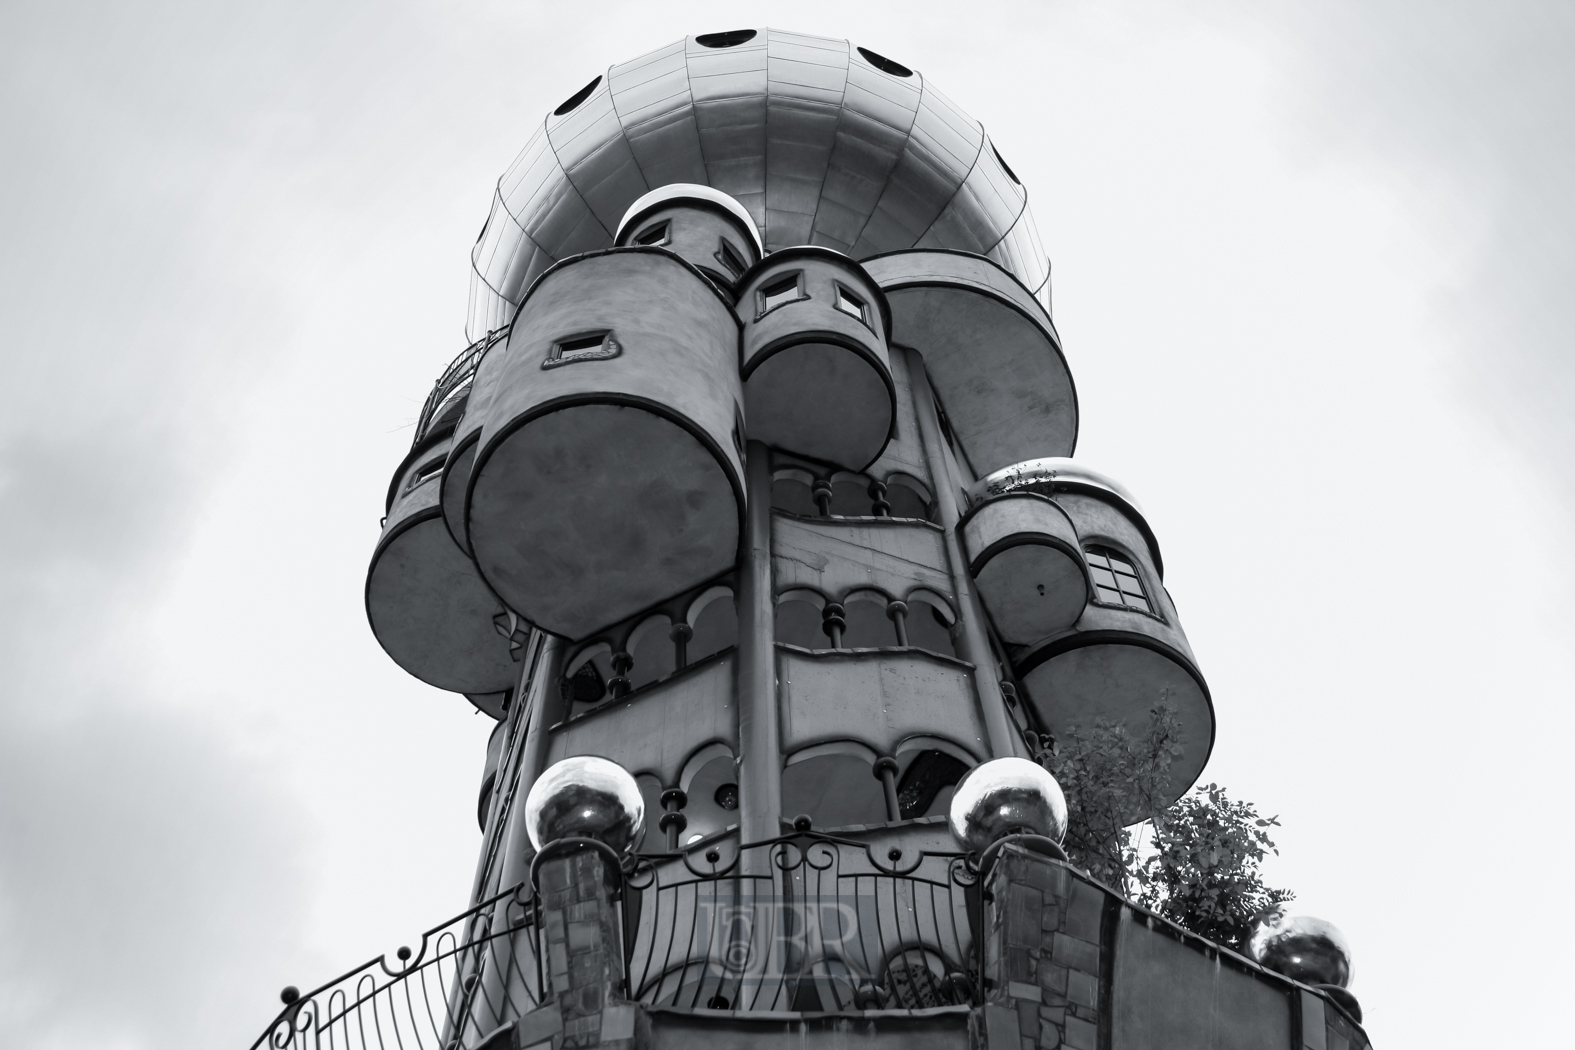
(1311, 265)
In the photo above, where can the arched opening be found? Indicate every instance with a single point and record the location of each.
(909, 498)
(585, 677)
(651, 647)
(710, 780)
(714, 620)
(868, 626)
(798, 620)
(850, 496)
(928, 772)
(834, 784)
(792, 491)
(930, 622)
(915, 979)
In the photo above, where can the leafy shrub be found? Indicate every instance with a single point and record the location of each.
(1199, 867)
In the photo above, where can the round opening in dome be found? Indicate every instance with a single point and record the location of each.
(884, 64)
(1005, 166)
(573, 101)
(731, 38)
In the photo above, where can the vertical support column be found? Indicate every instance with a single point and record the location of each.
(517, 850)
(507, 985)
(760, 750)
(582, 948)
(1042, 935)
(973, 642)
(519, 716)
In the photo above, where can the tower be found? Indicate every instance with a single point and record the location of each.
(750, 516)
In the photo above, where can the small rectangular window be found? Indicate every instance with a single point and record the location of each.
(426, 472)
(851, 305)
(587, 346)
(653, 235)
(729, 258)
(780, 292)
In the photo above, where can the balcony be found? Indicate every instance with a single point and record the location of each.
(815, 936)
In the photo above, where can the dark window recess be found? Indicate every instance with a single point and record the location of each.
(851, 304)
(779, 292)
(1116, 581)
(729, 258)
(585, 686)
(884, 64)
(591, 346)
(731, 38)
(424, 472)
(653, 235)
(1005, 166)
(926, 776)
(572, 103)
(929, 632)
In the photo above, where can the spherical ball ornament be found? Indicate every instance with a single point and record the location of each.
(1301, 947)
(1005, 796)
(586, 797)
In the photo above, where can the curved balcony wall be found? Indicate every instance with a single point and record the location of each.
(1126, 650)
(1025, 555)
(455, 483)
(990, 350)
(703, 226)
(428, 607)
(817, 375)
(609, 475)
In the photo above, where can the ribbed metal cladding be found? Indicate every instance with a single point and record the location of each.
(820, 146)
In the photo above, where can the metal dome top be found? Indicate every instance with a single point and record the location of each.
(822, 143)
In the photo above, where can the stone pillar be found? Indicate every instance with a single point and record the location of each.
(581, 938)
(1042, 960)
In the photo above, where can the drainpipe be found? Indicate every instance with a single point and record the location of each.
(973, 644)
(760, 750)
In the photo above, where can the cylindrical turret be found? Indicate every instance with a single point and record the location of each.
(817, 376)
(609, 471)
(1125, 650)
(704, 227)
(428, 606)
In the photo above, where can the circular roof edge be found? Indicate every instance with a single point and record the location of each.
(677, 191)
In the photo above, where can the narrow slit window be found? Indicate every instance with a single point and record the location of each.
(652, 236)
(780, 292)
(852, 305)
(426, 472)
(729, 258)
(1116, 580)
(589, 346)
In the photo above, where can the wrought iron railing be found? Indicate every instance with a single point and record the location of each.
(455, 381)
(804, 922)
(466, 977)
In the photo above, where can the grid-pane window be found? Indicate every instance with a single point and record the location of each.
(1116, 581)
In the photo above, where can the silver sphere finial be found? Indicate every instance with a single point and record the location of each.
(586, 797)
(1004, 796)
(1301, 947)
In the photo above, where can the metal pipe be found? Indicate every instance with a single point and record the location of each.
(760, 751)
(972, 643)
(544, 700)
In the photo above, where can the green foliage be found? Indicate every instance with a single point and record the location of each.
(1111, 779)
(1203, 872)
(1200, 868)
